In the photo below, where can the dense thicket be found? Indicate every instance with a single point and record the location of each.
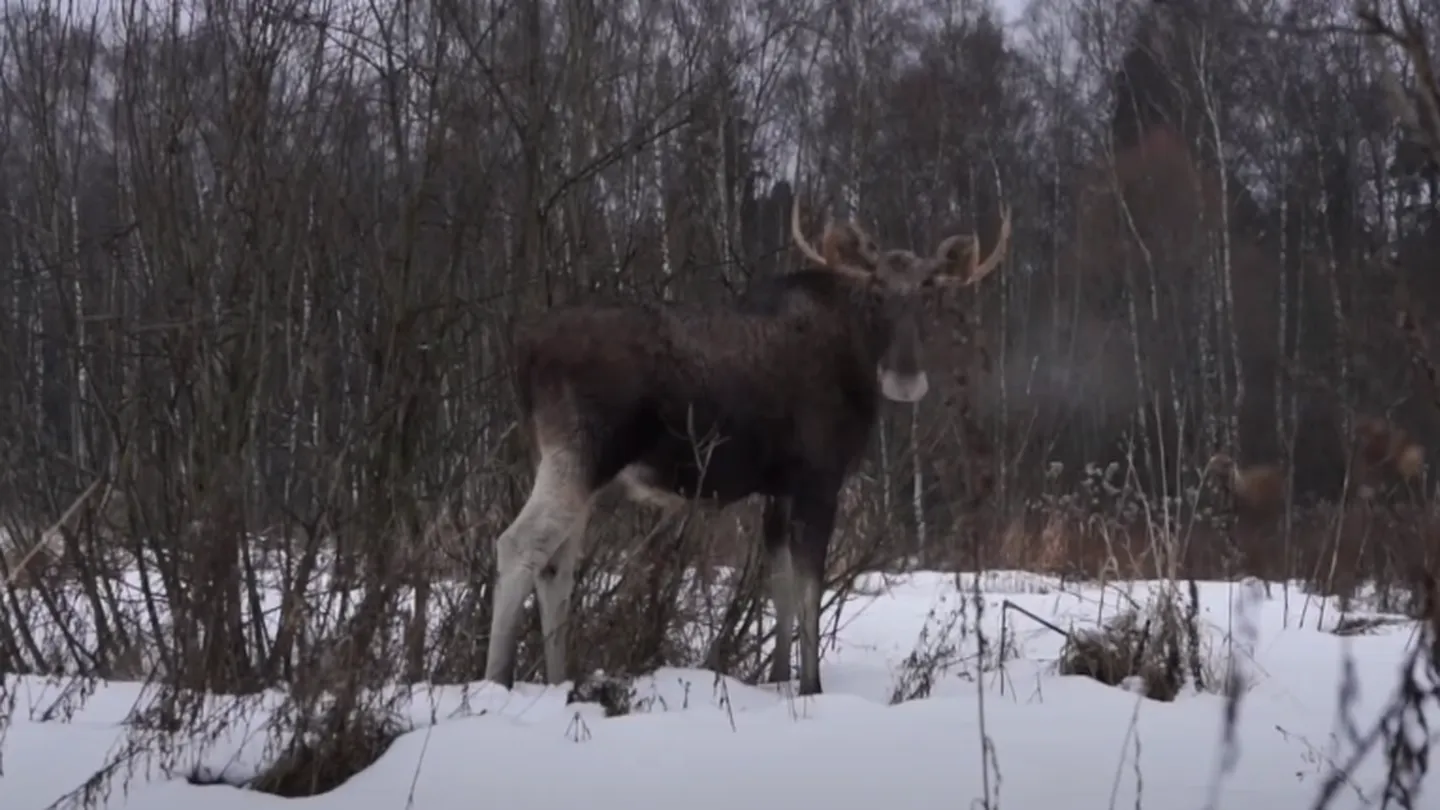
(260, 261)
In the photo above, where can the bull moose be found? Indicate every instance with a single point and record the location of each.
(786, 381)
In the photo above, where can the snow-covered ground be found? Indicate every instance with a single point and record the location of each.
(698, 741)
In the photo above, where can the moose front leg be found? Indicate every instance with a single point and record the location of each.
(775, 525)
(813, 522)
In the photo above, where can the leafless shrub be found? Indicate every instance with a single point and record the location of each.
(1127, 647)
(258, 271)
(1401, 733)
(944, 644)
(1158, 649)
(322, 763)
(273, 270)
(616, 695)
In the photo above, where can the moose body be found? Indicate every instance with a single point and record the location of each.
(776, 395)
(667, 378)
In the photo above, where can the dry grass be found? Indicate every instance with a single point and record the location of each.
(687, 598)
(1152, 652)
(1335, 551)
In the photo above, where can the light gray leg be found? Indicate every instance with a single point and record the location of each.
(556, 504)
(553, 589)
(809, 597)
(775, 526)
(782, 596)
(515, 579)
(499, 653)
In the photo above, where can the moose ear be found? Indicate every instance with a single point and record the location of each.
(846, 244)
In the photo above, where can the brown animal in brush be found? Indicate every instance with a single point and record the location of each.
(1385, 453)
(1258, 488)
(787, 383)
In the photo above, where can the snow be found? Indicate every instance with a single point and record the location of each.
(697, 740)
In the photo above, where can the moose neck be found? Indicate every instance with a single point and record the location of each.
(850, 311)
(867, 324)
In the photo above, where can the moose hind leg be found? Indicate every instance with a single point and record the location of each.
(776, 528)
(553, 589)
(556, 504)
(814, 523)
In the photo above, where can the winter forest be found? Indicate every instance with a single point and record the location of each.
(260, 263)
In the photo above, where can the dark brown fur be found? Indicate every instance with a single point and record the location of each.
(787, 378)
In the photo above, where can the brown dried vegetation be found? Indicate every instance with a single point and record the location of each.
(1387, 455)
(1258, 488)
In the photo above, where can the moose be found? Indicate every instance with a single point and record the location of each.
(785, 381)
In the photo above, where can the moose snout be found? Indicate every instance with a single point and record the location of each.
(900, 387)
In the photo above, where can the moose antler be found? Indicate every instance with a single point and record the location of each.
(831, 234)
(978, 269)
